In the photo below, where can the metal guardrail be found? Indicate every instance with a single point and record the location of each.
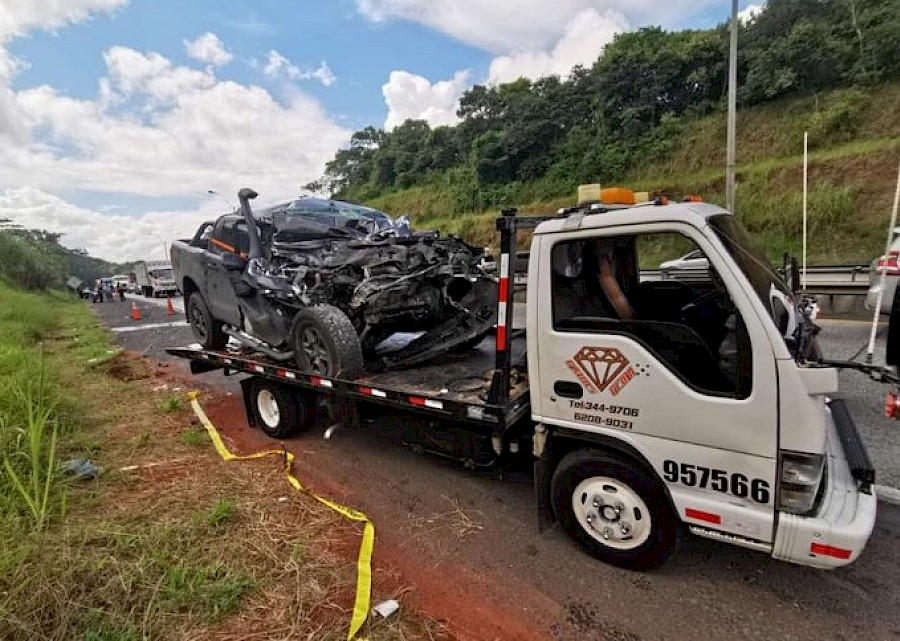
(825, 280)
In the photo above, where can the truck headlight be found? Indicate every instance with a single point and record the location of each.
(801, 475)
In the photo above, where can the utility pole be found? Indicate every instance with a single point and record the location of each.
(732, 110)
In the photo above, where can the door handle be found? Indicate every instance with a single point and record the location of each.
(568, 389)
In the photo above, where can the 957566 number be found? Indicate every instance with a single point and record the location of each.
(722, 481)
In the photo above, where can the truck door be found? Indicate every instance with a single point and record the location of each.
(222, 301)
(678, 365)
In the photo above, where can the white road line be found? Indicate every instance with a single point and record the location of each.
(887, 494)
(135, 328)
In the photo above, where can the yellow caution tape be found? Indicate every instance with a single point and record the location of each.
(364, 560)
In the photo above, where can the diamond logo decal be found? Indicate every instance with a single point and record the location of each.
(598, 368)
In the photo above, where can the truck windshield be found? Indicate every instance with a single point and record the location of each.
(161, 273)
(771, 289)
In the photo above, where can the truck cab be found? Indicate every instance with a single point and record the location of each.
(659, 401)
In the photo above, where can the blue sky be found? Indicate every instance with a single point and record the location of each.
(306, 32)
(121, 114)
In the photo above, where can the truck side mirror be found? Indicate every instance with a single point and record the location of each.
(892, 348)
(233, 262)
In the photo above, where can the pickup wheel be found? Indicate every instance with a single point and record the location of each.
(617, 511)
(207, 330)
(279, 412)
(326, 343)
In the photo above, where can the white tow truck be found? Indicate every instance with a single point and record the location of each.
(650, 405)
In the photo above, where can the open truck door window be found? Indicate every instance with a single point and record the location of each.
(691, 326)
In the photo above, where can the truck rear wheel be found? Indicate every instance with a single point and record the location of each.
(617, 511)
(278, 411)
(326, 343)
(207, 330)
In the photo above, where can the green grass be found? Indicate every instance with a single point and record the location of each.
(171, 404)
(220, 512)
(207, 590)
(194, 437)
(152, 549)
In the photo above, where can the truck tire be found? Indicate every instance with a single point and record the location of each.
(613, 508)
(278, 411)
(326, 343)
(207, 330)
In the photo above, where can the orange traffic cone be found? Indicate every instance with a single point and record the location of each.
(135, 313)
(169, 309)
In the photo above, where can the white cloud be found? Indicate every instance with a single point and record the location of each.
(322, 73)
(278, 65)
(209, 49)
(581, 44)
(186, 145)
(750, 13)
(114, 237)
(502, 27)
(159, 130)
(20, 16)
(411, 96)
(151, 74)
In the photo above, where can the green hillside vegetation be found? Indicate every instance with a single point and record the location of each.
(650, 114)
(35, 259)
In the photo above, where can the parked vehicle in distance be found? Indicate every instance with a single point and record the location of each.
(692, 265)
(889, 265)
(154, 278)
(120, 279)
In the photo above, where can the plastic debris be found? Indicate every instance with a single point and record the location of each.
(81, 469)
(386, 608)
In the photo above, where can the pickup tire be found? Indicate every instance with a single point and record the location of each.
(279, 411)
(326, 343)
(207, 330)
(613, 508)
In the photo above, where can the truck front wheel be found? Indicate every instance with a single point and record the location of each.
(617, 511)
(207, 330)
(326, 343)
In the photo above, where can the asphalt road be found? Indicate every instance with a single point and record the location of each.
(707, 590)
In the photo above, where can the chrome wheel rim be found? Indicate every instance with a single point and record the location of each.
(612, 513)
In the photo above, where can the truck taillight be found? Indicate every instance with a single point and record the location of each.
(801, 475)
(892, 405)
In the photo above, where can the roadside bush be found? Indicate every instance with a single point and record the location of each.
(24, 264)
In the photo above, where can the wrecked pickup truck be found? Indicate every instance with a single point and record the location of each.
(326, 283)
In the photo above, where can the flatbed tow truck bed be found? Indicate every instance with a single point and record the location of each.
(456, 387)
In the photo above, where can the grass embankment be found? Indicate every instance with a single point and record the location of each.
(854, 150)
(178, 545)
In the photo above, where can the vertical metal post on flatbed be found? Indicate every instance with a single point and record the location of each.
(506, 225)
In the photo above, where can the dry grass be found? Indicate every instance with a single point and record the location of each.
(171, 542)
(457, 521)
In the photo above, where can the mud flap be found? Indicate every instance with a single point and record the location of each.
(476, 319)
(543, 473)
